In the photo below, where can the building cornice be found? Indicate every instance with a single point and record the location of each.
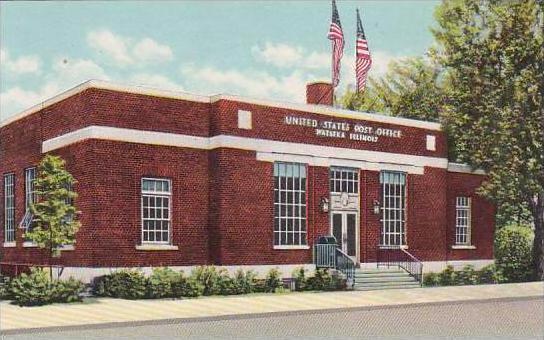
(267, 150)
(465, 169)
(318, 109)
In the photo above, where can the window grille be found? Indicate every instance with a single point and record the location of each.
(9, 208)
(393, 208)
(156, 210)
(344, 180)
(289, 204)
(462, 220)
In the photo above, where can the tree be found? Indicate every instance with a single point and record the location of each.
(411, 88)
(492, 53)
(55, 217)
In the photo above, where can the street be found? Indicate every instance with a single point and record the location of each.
(507, 318)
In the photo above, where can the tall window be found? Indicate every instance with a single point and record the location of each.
(289, 204)
(393, 208)
(9, 208)
(156, 215)
(462, 220)
(30, 188)
(344, 180)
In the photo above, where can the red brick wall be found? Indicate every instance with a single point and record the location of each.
(483, 218)
(222, 199)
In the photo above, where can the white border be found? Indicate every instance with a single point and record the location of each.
(319, 109)
(267, 148)
(464, 168)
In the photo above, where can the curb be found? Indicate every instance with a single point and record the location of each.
(255, 315)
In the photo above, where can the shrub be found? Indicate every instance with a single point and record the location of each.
(67, 290)
(299, 276)
(35, 289)
(5, 291)
(513, 253)
(186, 287)
(124, 284)
(489, 274)
(245, 282)
(467, 276)
(272, 280)
(208, 277)
(431, 279)
(226, 284)
(159, 284)
(337, 282)
(447, 276)
(322, 280)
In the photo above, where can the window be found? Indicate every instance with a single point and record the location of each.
(9, 208)
(344, 180)
(30, 189)
(156, 216)
(289, 204)
(393, 208)
(462, 220)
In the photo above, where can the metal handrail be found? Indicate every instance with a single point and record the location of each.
(330, 256)
(346, 266)
(401, 258)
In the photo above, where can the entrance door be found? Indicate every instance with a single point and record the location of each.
(344, 229)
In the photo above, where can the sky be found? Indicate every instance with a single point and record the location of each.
(259, 49)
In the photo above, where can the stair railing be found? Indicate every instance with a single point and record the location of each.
(400, 257)
(330, 256)
(346, 266)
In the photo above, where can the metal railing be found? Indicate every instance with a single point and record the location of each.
(346, 266)
(400, 257)
(330, 256)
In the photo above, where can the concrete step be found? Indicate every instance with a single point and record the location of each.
(365, 288)
(387, 283)
(403, 278)
(392, 275)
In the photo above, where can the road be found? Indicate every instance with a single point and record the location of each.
(511, 319)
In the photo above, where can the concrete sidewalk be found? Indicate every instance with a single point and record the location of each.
(104, 310)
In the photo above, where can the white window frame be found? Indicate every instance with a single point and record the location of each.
(341, 178)
(156, 194)
(393, 216)
(9, 208)
(463, 220)
(298, 217)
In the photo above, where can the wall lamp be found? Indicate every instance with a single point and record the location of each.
(376, 207)
(324, 204)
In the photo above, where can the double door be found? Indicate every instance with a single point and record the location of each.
(344, 229)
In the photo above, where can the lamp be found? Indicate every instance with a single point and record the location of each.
(324, 204)
(376, 207)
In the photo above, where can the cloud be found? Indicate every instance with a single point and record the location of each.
(280, 55)
(65, 73)
(26, 64)
(126, 51)
(252, 83)
(114, 46)
(148, 50)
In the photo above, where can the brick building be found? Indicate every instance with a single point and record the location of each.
(173, 179)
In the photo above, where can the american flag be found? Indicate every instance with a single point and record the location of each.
(337, 37)
(362, 55)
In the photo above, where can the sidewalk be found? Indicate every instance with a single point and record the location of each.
(104, 310)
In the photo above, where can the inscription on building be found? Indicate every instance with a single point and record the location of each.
(343, 130)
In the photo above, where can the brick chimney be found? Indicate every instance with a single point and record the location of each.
(319, 92)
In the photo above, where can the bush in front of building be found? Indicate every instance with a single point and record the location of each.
(513, 253)
(36, 289)
(124, 284)
(467, 276)
(186, 287)
(324, 280)
(300, 278)
(159, 283)
(272, 281)
(245, 282)
(209, 277)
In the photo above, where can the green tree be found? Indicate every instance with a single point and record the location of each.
(411, 88)
(492, 53)
(55, 217)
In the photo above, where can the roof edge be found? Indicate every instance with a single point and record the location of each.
(464, 168)
(319, 109)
